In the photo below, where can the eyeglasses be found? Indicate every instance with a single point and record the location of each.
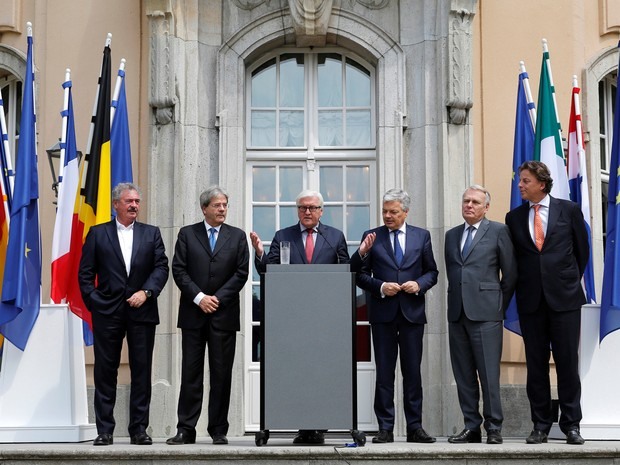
(217, 206)
(311, 209)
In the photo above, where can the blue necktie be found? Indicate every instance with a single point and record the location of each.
(468, 240)
(213, 232)
(398, 252)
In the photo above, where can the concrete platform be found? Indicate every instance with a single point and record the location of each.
(280, 450)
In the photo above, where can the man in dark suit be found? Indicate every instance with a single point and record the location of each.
(397, 269)
(122, 271)
(552, 250)
(310, 242)
(482, 274)
(210, 267)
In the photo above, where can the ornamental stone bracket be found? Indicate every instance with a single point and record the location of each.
(162, 96)
(310, 21)
(460, 86)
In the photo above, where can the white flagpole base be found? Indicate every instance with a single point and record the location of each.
(600, 378)
(43, 389)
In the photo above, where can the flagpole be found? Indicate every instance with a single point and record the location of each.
(555, 103)
(65, 116)
(117, 89)
(528, 94)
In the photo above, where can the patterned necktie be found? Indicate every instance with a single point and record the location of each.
(398, 252)
(468, 240)
(309, 245)
(212, 238)
(539, 234)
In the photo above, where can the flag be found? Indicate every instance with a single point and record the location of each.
(548, 141)
(120, 145)
(610, 298)
(67, 190)
(93, 204)
(523, 150)
(578, 181)
(21, 289)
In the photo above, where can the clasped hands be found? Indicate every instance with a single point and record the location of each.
(410, 287)
(209, 304)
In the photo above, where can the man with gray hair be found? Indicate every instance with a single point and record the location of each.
(482, 275)
(310, 242)
(396, 272)
(122, 271)
(210, 267)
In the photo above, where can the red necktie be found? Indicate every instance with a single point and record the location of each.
(309, 246)
(539, 234)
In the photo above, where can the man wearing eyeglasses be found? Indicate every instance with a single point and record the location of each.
(210, 267)
(311, 242)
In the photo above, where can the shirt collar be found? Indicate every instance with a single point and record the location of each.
(122, 227)
(304, 229)
(208, 226)
(475, 225)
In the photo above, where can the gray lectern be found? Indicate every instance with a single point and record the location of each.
(308, 366)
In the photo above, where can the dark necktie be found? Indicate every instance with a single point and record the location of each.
(398, 252)
(468, 240)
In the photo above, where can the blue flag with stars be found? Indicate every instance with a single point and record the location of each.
(21, 290)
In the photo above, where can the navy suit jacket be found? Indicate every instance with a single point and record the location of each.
(222, 273)
(380, 266)
(556, 270)
(330, 247)
(103, 278)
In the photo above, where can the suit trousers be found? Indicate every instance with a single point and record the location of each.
(545, 330)
(221, 347)
(387, 339)
(475, 353)
(109, 332)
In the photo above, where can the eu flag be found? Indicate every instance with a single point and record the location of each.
(120, 146)
(610, 299)
(523, 151)
(21, 290)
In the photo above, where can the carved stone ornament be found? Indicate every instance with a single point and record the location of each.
(250, 4)
(371, 4)
(310, 20)
(460, 86)
(162, 98)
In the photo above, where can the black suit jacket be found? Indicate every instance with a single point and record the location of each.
(103, 278)
(222, 273)
(556, 270)
(330, 247)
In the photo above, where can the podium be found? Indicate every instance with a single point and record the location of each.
(308, 366)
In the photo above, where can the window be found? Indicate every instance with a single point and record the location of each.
(11, 89)
(607, 97)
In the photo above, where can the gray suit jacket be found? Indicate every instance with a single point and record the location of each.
(482, 282)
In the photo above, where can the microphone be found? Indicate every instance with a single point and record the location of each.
(329, 244)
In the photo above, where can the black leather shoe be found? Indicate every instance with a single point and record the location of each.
(494, 436)
(536, 437)
(466, 436)
(104, 439)
(420, 435)
(383, 437)
(142, 439)
(573, 437)
(182, 438)
(305, 436)
(220, 439)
